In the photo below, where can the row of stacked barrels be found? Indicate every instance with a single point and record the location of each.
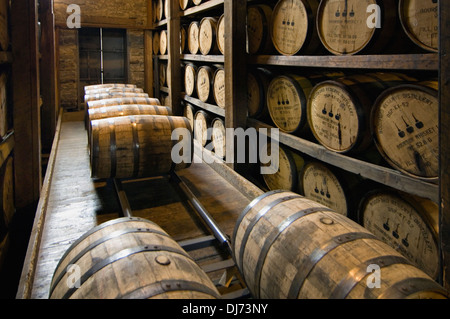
(129, 258)
(342, 27)
(160, 7)
(405, 222)
(393, 113)
(112, 256)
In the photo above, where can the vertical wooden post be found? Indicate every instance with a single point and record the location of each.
(173, 67)
(25, 82)
(148, 50)
(444, 96)
(47, 74)
(235, 69)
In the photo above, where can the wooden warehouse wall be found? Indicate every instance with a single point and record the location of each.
(129, 15)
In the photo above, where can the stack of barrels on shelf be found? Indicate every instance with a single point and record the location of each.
(132, 136)
(342, 27)
(205, 37)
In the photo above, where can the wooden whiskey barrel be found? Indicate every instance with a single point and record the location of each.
(339, 110)
(405, 128)
(3, 106)
(288, 247)
(258, 81)
(207, 37)
(123, 101)
(205, 83)
(135, 146)
(128, 109)
(293, 28)
(219, 87)
(109, 95)
(156, 42)
(202, 122)
(421, 22)
(290, 167)
(88, 88)
(129, 258)
(287, 100)
(184, 4)
(344, 29)
(190, 79)
(162, 74)
(322, 185)
(258, 29)
(193, 35)
(189, 113)
(197, 2)
(163, 42)
(4, 25)
(405, 224)
(160, 6)
(183, 39)
(221, 34)
(218, 137)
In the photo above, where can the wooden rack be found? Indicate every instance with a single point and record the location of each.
(235, 62)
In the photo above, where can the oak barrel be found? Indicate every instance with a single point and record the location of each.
(156, 42)
(322, 185)
(123, 101)
(258, 29)
(184, 4)
(4, 25)
(339, 110)
(207, 37)
(160, 6)
(162, 74)
(197, 2)
(218, 137)
(219, 87)
(420, 21)
(127, 109)
(129, 258)
(258, 81)
(205, 83)
(135, 146)
(288, 247)
(163, 42)
(405, 128)
(109, 95)
(114, 89)
(287, 97)
(293, 27)
(290, 167)
(189, 113)
(346, 28)
(190, 79)
(193, 34)
(221, 34)
(183, 39)
(3, 106)
(202, 122)
(405, 223)
(88, 88)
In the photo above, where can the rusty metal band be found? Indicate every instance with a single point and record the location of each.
(255, 220)
(273, 236)
(247, 209)
(165, 286)
(314, 258)
(113, 147)
(102, 240)
(118, 256)
(136, 146)
(357, 274)
(411, 286)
